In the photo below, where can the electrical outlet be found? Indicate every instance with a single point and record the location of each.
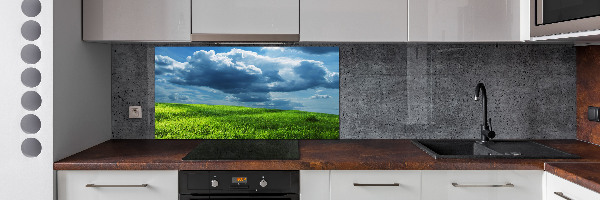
(135, 112)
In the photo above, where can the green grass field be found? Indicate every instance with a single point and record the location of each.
(199, 121)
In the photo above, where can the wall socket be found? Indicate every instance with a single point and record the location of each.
(135, 112)
(593, 114)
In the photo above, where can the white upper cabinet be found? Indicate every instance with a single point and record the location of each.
(468, 20)
(245, 20)
(354, 20)
(307, 20)
(136, 20)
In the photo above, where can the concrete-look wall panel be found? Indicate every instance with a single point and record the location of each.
(400, 91)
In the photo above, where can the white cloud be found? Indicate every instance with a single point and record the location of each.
(165, 64)
(240, 71)
(320, 96)
(273, 49)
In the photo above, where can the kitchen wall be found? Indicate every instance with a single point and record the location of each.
(408, 90)
(82, 86)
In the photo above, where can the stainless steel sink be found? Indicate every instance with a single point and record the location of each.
(493, 149)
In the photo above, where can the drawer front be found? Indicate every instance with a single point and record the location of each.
(566, 190)
(407, 185)
(112, 185)
(482, 184)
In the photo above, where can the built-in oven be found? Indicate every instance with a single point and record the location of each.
(553, 17)
(234, 185)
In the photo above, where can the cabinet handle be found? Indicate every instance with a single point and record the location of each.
(505, 185)
(94, 185)
(361, 184)
(560, 194)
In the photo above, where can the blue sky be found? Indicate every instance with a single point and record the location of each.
(288, 78)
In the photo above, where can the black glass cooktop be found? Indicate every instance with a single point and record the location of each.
(245, 150)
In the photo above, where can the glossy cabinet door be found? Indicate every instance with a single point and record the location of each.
(136, 20)
(245, 16)
(560, 189)
(117, 185)
(314, 185)
(468, 20)
(354, 20)
(375, 185)
(482, 184)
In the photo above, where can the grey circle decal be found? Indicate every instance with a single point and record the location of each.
(31, 54)
(31, 147)
(31, 8)
(31, 124)
(31, 30)
(31, 100)
(31, 77)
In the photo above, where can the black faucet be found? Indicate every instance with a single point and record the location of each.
(486, 129)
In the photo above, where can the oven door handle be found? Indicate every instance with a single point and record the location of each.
(376, 184)
(191, 197)
(194, 197)
(99, 186)
(251, 197)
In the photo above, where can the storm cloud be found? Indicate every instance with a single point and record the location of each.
(246, 75)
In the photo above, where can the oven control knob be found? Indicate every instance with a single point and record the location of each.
(263, 183)
(214, 183)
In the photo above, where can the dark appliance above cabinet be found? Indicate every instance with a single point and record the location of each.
(571, 18)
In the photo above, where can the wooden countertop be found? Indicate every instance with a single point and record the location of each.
(332, 155)
(581, 173)
(314, 155)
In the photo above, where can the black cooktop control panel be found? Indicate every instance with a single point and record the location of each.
(238, 182)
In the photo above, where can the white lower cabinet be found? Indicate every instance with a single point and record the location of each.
(482, 184)
(314, 184)
(375, 185)
(340, 185)
(561, 189)
(117, 185)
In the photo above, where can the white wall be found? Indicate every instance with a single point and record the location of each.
(82, 84)
(24, 177)
(74, 88)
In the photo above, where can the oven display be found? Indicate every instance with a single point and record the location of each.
(239, 180)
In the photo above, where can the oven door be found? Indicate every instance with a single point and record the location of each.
(237, 197)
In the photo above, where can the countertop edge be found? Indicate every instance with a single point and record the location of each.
(578, 179)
